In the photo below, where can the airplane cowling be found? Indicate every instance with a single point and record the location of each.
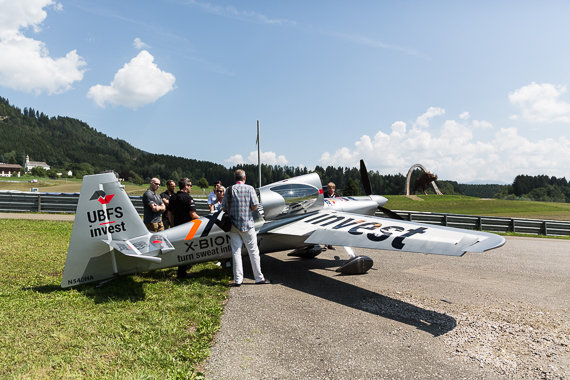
(292, 197)
(356, 265)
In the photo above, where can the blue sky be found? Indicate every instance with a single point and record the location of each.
(470, 90)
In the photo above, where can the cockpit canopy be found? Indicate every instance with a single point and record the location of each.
(295, 196)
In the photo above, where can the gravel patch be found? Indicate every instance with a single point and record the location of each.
(517, 340)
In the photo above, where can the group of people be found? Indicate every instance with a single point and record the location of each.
(170, 209)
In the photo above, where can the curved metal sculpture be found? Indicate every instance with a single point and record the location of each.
(409, 176)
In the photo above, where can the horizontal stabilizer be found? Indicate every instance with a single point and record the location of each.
(152, 259)
(145, 247)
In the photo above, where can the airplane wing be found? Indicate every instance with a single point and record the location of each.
(353, 230)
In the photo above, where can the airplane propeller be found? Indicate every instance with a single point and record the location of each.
(368, 191)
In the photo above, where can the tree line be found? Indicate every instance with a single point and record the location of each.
(537, 188)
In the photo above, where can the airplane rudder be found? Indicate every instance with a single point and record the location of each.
(106, 209)
(104, 212)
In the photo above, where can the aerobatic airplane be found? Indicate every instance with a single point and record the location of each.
(109, 238)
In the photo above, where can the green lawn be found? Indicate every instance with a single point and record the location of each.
(149, 326)
(455, 204)
(73, 185)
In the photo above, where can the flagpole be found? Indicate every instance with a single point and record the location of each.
(258, 154)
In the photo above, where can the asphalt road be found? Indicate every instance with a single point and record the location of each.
(494, 315)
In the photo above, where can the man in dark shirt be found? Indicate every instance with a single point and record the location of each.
(170, 187)
(330, 190)
(153, 207)
(182, 210)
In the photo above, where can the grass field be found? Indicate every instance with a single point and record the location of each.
(455, 204)
(72, 185)
(149, 326)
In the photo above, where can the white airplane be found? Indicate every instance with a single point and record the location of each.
(109, 238)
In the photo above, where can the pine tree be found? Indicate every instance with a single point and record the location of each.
(351, 189)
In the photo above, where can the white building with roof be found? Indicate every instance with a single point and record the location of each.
(9, 170)
(32, 164)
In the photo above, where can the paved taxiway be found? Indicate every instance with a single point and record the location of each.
(411, 316)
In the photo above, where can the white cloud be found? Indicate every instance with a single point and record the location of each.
(539, 103)
(481, 124)
(267, 158)
(25, 64)
(138, 44)
(138, 83)
(453, 152)
(423, 120)
(399, 127)
(464, 116)
(22, 14)
(236, 159)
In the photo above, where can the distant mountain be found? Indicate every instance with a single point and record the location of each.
(66, 144)
(70, 144)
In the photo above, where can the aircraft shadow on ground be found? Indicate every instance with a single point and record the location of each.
(297, 274)
(126, 288)
(118, 289)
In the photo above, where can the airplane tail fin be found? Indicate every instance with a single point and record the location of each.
(108, 236)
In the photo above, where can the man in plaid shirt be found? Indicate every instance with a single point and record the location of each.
(243, 201)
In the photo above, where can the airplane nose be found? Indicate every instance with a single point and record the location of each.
(379, 199)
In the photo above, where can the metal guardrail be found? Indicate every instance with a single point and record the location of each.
(62, 203)
(488, 223)
(67, 203)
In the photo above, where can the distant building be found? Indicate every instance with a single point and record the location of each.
(10, 170)
(32, 164)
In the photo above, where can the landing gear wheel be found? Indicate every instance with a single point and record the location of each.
(356, 265)
(307, 252)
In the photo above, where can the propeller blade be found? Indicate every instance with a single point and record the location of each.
(365, 178)
(368, 191)
(390, 213)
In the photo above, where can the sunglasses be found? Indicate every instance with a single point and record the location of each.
(155, 183)
(219, 191)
